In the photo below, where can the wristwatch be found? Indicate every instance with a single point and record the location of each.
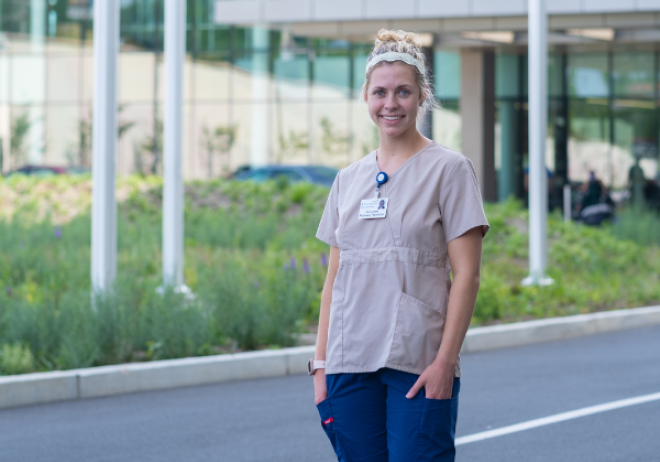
(313, 365)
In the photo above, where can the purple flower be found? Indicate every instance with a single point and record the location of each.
(256, 283)
(306, 265)
(324, 260)
(293, 263)
(8, 290)
(286, 267)
(58, 232)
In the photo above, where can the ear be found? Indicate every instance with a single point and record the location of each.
(364, 92)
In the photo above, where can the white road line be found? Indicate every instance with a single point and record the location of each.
(556, 418)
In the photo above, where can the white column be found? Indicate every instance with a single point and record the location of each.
(104, 207)
(175, 54)
(260, 134)
(538, 180)
(37, 25)
(478, 116)
(37, 134)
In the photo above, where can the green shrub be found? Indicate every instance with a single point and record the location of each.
(639, 225)
(15, 359)
(245, 252)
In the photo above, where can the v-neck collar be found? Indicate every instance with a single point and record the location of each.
(401, 167)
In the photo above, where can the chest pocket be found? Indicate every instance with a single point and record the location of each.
(372, 233)
(416, 221)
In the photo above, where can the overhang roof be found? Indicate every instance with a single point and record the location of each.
(454, 23)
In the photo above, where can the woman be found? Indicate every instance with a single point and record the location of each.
(386, 372)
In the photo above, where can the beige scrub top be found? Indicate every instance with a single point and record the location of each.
(390, 294)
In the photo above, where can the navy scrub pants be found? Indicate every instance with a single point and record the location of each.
(368, 418)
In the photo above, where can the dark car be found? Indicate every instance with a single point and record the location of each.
(38, 170)
(317, 174)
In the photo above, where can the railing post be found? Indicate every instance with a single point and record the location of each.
(104, 141)
(173, 193)
(538, 109)
(567, 203)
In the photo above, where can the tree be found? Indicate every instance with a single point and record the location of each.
(85, 133)
(20, 127)
(296, 141)
(151, 145)
(219, 140)
(331, 141)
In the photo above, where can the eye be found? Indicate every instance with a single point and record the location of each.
(404, 93)
(379, 92)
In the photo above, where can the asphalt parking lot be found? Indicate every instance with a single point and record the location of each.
(275, 419)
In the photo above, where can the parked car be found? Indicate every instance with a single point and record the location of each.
(38, 170)
(317, 174)
(49, 170)
(78, 170)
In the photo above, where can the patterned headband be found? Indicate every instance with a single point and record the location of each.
(392, 56)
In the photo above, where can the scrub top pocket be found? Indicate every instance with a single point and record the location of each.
(417, 334)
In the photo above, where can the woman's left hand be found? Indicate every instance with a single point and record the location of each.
(437, 380)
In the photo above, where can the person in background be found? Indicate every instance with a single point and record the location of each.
(596, 205)
(592, 190)
(636, 183)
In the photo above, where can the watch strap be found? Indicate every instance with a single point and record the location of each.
(315, 364)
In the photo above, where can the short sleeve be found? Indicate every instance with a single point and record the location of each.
(329, 224)
(461, 204)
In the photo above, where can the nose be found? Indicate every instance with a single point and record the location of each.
(391, 102)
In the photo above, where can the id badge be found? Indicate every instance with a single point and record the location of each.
(373, 208)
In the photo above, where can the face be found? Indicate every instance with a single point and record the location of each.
(393, 97)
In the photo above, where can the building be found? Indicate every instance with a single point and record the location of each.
(278, 81)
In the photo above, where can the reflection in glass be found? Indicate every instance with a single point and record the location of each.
(587, 75)
(332, 68)
(636, 136)
(447, 74)
(589, 141)
(633, 74)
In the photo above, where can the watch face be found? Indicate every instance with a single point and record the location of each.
(309, 367)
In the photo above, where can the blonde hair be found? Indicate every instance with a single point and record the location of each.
(403, 42)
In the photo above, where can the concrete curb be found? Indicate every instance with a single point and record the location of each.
(94, 382)
(546, 330)
(46, 387)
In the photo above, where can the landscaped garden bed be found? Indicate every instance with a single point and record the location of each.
(255, 269)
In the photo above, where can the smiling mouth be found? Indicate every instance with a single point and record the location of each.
(392, 117)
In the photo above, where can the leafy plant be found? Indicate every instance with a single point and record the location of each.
(332, 142)
(15, 359)
(20, 127)
(639, 225)
(150, 147)
(293, 143)
(216, 141)
(84, 157)
(255, 268)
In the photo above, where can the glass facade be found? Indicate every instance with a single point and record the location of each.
(603, 116)
(260, 95)
(294, 98)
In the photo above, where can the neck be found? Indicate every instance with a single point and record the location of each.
(401, 147)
